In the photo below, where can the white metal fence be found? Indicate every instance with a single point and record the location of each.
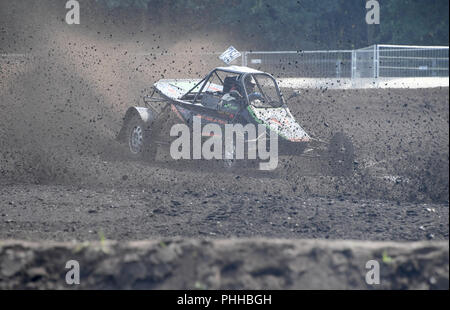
(411, 61)
(365, 67)
(311, 64)
(384, 61)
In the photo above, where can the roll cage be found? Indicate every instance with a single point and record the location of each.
(206, 86)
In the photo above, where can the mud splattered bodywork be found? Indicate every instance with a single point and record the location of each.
(281, 121)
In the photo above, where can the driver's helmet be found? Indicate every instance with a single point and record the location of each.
(250, 84)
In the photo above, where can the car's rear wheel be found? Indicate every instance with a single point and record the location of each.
(139, 139)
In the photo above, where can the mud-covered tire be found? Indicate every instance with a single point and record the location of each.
(341, 155)
(138, 139)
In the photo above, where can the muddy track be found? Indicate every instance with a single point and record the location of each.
(38, 212)
(398, 190)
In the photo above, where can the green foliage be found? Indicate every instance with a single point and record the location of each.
(386, 258)
(312, 23)
(415, 22)
(291, 22)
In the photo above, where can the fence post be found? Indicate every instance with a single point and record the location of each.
(378, 60)
(244, 59)
(338, 68)
(374, 61)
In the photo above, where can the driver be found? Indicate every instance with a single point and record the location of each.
(230, 102)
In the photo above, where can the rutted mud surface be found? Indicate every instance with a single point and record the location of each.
(64, 213)
(225, 264)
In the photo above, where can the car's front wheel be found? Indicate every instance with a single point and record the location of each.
(139, 139)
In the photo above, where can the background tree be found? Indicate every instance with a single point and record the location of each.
(308, 23)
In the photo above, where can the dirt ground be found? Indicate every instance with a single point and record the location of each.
(225, 264)
(398, 191)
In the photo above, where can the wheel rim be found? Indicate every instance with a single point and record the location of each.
(136, 141)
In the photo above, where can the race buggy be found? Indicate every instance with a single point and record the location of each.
(227, 95)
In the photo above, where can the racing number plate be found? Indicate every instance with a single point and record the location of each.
(229, 55)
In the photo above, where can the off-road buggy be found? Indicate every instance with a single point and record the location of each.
(227, 95)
